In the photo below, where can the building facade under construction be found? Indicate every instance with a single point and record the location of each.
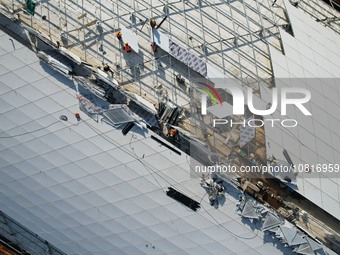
(119, 130)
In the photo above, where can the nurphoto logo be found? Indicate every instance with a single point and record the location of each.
(280, 97)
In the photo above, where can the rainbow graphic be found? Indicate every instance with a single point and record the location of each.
(211, 92)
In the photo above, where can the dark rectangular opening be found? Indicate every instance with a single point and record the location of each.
(127, 128)
(183, 199)
(164, 144)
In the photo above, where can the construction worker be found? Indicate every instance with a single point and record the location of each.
(119, 35)
(107, 69)
(127, 47)
(172, 133)
(153, 23)
(154, 46)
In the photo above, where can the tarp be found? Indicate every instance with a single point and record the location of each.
(188, 58)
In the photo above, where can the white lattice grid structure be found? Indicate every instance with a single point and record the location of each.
(231, 36)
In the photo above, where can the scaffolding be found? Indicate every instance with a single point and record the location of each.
(90, 34)
(232, 37)
(325, 12)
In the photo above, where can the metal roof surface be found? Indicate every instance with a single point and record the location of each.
(312, 61)
(88, 189)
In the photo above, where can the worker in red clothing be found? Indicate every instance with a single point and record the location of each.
(154, 46)
(119, 35)
(127, 47)
(172, 133)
